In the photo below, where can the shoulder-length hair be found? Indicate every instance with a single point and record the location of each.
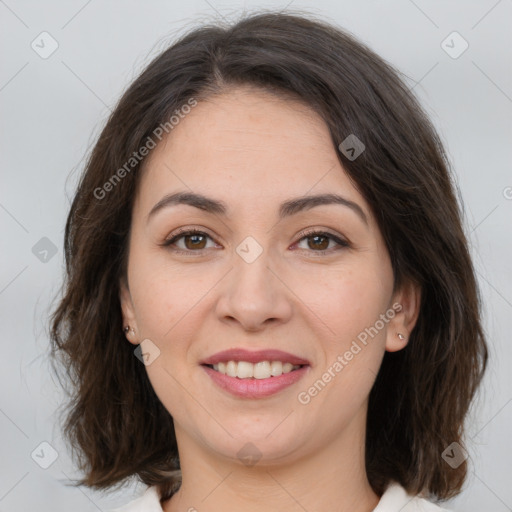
(115, 423)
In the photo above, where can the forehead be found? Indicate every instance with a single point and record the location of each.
(245, 146)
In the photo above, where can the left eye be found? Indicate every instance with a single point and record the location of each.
(320, 241)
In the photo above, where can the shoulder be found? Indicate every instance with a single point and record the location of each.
(148, 502)
(396, 499)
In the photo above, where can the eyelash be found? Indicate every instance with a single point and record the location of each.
(303, 235)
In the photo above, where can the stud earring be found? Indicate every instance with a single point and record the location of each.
(128, 329)
(400, 335)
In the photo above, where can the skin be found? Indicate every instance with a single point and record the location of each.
(253, 151)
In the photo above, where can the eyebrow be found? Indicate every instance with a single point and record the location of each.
(286, 209)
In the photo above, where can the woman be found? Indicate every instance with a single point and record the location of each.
(269, 298)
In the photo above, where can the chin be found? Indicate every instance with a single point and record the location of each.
(258, 447)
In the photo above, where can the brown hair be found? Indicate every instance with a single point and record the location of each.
(115, 423)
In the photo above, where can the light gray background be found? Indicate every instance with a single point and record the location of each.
(52, 110)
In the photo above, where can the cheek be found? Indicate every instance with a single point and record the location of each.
(347, 301)
(350, 303)
(167, 303)
(165, 295)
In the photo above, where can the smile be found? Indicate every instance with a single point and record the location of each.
(254, 374)
(260, 370)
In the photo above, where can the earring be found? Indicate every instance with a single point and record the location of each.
(128, 329)
(400, 335)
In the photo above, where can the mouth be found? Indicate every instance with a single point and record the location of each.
(249, 374)
(259, 370)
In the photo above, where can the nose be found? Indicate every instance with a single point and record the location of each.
(254, 296)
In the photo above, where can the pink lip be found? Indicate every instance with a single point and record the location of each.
(255, 388)
(240, 354)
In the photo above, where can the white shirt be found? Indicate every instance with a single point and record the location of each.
(394, 499)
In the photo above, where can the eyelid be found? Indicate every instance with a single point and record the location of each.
(319, 231)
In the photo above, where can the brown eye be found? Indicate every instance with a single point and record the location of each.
(194, 241)
(318, 242)
(188, 241)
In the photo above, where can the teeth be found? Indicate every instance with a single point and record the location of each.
(245, 370)
(231, 369)
(276, 368)
(287, 367)
(261, 370)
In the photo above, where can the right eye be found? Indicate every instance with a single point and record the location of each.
(193, 240)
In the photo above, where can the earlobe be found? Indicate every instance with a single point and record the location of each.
(128, 313)
(402, 324)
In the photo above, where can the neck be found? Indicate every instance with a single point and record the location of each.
(331, 478)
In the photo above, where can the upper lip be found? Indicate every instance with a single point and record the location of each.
(241, 354)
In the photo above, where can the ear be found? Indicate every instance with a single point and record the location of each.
(128, 312)
(406, 304)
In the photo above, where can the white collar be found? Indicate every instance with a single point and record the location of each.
(394, 499)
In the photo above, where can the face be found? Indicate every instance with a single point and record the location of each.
(266, 269)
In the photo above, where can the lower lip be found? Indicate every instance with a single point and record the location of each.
(255, 388)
